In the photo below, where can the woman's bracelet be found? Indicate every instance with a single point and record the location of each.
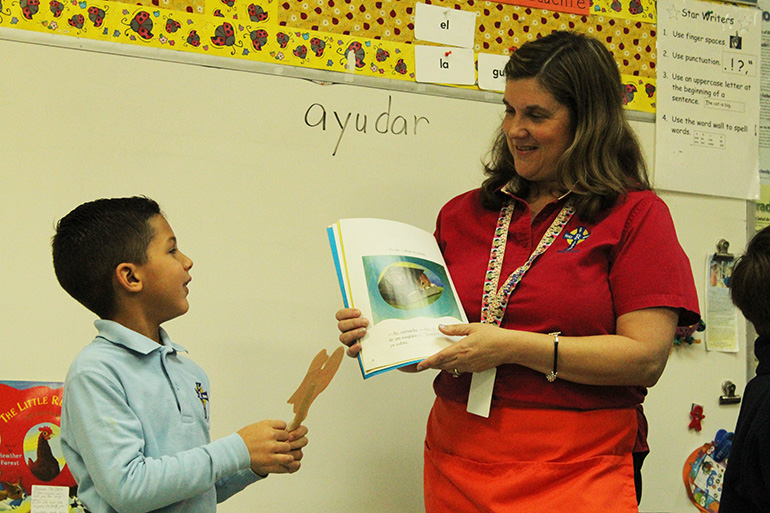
(551, 377)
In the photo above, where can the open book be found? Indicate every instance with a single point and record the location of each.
(395, 274)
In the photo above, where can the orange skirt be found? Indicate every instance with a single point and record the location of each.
(529, 460)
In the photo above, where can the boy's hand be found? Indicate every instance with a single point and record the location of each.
(272, 448)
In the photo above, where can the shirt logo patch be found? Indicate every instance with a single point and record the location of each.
(575, 237)
(204, 397)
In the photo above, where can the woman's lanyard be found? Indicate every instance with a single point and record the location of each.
(494, 301)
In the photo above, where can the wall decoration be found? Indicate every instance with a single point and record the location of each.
(367, 37)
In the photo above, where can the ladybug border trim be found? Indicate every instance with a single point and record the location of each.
(247, 29)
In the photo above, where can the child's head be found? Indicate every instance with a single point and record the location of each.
(750, 282)
(92, 240)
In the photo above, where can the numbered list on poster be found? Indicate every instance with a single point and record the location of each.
(708, 80)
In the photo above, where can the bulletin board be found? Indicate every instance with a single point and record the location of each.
(320, 34)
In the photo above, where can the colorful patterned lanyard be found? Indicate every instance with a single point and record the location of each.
(494, 301)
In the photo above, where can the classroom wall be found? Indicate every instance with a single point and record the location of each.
(249, 182)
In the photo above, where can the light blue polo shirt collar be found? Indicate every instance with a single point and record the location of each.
(116, 333)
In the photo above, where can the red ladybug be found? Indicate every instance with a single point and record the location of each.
(358, 53)
(142, 25)
(382, 55)
(224, 35)
(628, 93)
(96, 15)
(29, 8)
(256, 13)
(283, 39)
(77, 21)
(172, 26)
(258, 38)
(56, 8)
(649, 89)
(301, 51)
(318, 46)
(635, 7)
(193, 38)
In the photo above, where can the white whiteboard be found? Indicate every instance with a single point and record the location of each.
(249, 186)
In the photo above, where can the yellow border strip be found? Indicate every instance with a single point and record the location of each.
(248, 30)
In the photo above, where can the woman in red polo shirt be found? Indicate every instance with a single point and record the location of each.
(570, 272)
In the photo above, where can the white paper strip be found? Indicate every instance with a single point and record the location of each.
(444, 65)
(445, 26)
(492, 71)
(480, 396)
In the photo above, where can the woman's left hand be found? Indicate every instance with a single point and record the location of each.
(483, 347)
(635, 356)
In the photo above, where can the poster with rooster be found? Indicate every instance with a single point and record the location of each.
(30, 438)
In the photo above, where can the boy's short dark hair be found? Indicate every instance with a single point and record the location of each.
(92, 240)
(750, 282)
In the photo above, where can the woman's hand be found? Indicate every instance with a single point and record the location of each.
(635, 356)
(483, 347)
(352, 327)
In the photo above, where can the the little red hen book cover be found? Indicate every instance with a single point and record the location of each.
(30, 436)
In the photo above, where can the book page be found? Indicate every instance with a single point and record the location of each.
(395, 274)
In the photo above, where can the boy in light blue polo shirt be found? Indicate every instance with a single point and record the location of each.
(135, 415)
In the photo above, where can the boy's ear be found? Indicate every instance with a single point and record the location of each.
(127, 277)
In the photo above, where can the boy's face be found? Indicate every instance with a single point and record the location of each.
(165, 275)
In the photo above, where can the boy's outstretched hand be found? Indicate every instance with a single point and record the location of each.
(272, 448)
